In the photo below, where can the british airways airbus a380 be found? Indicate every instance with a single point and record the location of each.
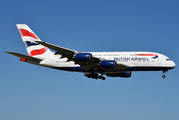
(92, 64)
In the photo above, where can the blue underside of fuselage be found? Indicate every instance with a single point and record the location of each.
(79, 69)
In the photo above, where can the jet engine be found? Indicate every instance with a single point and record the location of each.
(108, 64)
(83, 57)
(124, 74)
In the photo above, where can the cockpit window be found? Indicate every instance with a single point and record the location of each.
(168, 60)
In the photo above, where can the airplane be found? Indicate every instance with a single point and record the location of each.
(93, 64)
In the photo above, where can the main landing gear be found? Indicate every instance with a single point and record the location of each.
(164, 74)
(94, 76)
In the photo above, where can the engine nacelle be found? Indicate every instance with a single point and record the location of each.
(124, 74)
(108, 64)
(83, 57)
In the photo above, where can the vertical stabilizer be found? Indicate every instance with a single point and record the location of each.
(28, 37)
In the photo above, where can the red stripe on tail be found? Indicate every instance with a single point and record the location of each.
(38, 52)
(27, 33)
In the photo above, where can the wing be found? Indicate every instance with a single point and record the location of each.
(70, 54)
(59, 50)
(122, 66)
(24, 56)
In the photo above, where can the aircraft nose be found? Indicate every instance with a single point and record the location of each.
(173, 64)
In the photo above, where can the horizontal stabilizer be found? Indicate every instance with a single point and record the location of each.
(24, 56)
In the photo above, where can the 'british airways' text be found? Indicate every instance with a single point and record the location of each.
(140, 59)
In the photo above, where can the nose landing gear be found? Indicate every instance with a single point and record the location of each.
(164, 74)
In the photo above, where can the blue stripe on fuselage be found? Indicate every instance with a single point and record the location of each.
(155, 57)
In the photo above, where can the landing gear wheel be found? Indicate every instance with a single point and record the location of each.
(163, 76)
(94, 76)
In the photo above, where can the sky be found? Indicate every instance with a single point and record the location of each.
(29, 92)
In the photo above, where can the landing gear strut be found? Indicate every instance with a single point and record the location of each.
(94, 76)
(163, 74)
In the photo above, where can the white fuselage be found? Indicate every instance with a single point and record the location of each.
(137, 61)
(112, 64)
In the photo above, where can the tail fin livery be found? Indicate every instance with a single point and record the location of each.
(29, 38)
